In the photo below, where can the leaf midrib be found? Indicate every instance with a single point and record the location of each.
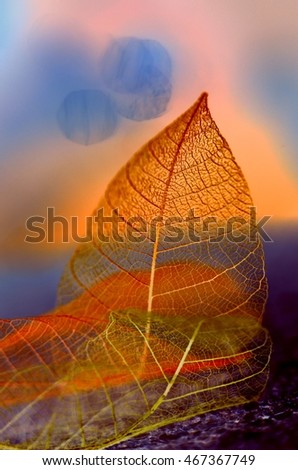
(164, 201)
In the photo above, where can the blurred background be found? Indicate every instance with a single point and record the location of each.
(85, 83)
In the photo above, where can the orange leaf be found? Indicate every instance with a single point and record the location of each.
(159, 314)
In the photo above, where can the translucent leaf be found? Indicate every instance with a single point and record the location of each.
(138, 73)
(150, 328)
(87, 117)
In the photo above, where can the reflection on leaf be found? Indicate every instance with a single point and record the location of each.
(145, 333)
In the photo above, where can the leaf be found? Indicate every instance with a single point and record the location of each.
(148, 331)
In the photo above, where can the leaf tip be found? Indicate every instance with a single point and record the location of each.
(202, 101)
(200, 106)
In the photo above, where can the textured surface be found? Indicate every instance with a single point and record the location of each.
(271, 423)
